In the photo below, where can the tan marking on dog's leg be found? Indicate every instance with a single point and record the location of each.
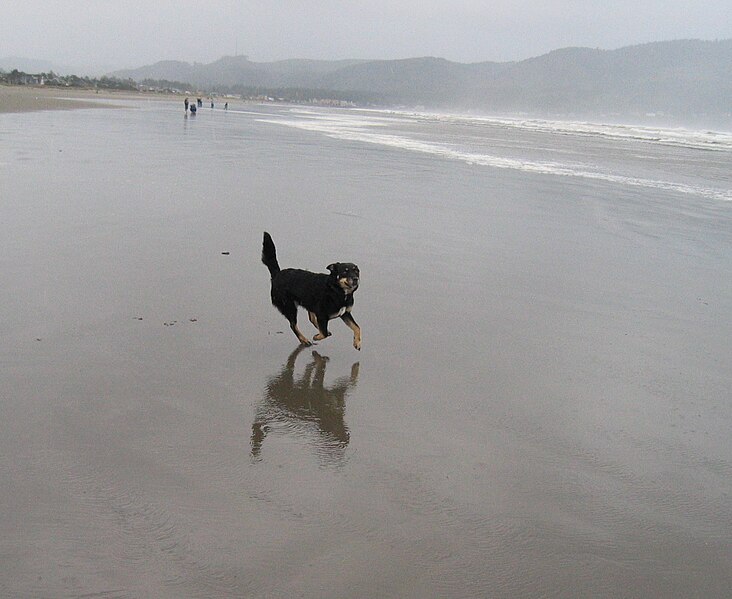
(348, 319)
(314, 319)
(303, 339)
(319, 336)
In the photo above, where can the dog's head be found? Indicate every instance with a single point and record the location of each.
(346, 274)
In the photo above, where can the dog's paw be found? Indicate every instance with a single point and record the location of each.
(357, 344)
(318, 337)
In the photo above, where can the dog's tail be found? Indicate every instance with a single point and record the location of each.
(269, 255)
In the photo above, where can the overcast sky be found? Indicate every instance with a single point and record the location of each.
(131, 33)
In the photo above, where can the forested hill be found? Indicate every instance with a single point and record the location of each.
(684, 77)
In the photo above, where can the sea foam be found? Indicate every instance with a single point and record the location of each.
(367, 127)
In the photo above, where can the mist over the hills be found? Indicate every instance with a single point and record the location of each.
(676, 81)
(683, 78)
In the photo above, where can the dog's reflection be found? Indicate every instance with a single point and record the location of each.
(306, 407)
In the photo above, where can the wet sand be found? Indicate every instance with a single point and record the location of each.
(540, 408)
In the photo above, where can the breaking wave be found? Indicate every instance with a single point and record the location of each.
(369, 129)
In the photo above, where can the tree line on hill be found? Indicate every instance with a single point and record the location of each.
(682, 77)
(51, 79)
(682, 80)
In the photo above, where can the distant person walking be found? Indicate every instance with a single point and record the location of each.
(211, 102)
(193, 110)
(186, 103)
(199, 102)
(226, 106)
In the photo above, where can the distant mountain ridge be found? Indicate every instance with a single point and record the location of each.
(682, 77)
(231, 71)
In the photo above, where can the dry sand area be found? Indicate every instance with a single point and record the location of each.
(26, 98)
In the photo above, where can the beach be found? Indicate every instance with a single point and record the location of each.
(17, 98)
(540, 406)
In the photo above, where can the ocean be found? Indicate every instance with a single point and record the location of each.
(541, 407)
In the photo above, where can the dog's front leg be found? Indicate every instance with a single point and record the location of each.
(348, 319)
(322, 324)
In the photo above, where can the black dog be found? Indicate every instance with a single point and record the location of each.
(324, 296)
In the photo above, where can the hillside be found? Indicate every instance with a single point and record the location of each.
(232, 71)
(684, 77)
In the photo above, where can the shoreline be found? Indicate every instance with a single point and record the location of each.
(30, 98)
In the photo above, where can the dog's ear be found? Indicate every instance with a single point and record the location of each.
(332, 267)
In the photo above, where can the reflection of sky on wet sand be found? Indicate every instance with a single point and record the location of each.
(541, 405)
(303, 406)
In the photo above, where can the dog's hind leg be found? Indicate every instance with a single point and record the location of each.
(289, 310)
(303, 339)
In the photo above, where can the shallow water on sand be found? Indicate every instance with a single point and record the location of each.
(541, 406)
